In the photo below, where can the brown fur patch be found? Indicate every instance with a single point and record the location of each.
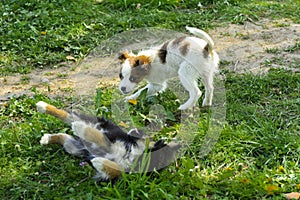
(184, 48)
(95, 136)
(162, 52)
(177, 41)
(58, 138)
(123, 56)
(206, 51)
(111, 168)
(140, 68)
(60, 114)
(141, 60)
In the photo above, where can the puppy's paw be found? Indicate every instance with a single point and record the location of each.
(206, 104)
(185, 107)
(128, 98)
(98, 163)
(78, 128)
(45, 139)
(41, 106)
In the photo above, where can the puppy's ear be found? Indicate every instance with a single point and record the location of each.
(123, 55)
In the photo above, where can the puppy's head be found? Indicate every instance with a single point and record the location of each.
(134, 69)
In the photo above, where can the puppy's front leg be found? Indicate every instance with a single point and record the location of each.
(153, 89)
(137, 94)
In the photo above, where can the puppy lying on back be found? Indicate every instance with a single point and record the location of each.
(188, 58)
(105, 146)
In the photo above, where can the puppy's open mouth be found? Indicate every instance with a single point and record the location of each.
(125, 92)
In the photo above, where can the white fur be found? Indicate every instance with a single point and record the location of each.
(98, 164)
(201, 34)
(45, 139)
(126, 73)
(41, 106)
(78, 128)
(118, 154)
(188, 68)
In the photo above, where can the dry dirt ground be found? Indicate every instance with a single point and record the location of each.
(242, 48)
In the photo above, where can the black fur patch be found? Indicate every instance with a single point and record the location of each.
(184, 48)
(162, 53)
(206, 51)
(121, 76)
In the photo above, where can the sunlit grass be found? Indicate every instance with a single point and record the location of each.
(256, 156)
(40, 34)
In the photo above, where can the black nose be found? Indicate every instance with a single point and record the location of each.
(123, 89)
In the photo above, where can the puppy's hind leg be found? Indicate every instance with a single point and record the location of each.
(188, 79)
(63, 115)
(209, 89)
(106, 169)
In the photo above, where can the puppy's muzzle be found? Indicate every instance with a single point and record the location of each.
(123, 89)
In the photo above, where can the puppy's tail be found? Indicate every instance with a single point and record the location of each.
(203, 35)
(44, 107)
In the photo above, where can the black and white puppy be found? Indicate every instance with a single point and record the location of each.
(189, 58)
(105, 146)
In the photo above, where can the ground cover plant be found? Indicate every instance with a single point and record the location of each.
(256, 157)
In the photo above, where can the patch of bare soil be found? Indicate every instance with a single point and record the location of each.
(242, 47)
(245, 46)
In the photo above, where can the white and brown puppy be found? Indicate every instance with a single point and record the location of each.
(189, 58)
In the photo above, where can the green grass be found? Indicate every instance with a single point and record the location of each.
(39, 34)
(256, 156)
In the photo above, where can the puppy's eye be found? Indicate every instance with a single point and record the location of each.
(132, 79)
(121, 76)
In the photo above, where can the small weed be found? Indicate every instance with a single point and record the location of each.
(272, 50)
(281, 25)
(61, 75)
(49, 74)
(67, 89)
(295, 47)
(266, 36)
(25, 79)
(4, 80)
(243, 36)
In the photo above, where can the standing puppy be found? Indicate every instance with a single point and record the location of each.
(189, 58)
